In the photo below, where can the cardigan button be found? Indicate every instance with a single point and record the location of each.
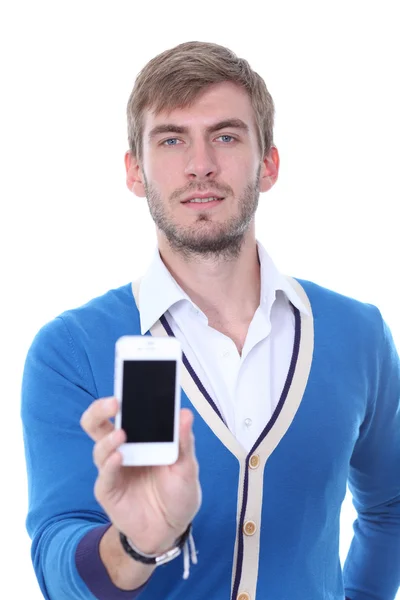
(254, 461)
(243, 596)
(249, 528)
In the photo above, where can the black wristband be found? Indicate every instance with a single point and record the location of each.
(155, 559)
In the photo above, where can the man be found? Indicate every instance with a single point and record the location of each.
(294, 389)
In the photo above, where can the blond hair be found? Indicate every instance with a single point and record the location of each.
(176, 77)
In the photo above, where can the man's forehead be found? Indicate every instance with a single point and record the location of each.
(213, 106)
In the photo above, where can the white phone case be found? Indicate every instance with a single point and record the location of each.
(149, 348)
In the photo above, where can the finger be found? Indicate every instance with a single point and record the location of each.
(109, 475)
(186, 437)
(95, 420)
(107, 445)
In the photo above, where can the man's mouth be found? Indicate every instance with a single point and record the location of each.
(202, 200)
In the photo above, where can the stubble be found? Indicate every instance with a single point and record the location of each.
(206, 238)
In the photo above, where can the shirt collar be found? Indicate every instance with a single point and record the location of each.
(272, 280)
(159, 291)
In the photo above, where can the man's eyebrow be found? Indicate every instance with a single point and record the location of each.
(173, 128)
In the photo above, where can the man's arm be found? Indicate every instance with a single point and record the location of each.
(64, 518)
(106, 568)
(372, 566)
(124, 572)
(71, 549)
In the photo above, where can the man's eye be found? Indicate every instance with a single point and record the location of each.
(227, 139)
(167, 142)
(227, 136)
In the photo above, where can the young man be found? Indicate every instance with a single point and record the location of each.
(295, 389)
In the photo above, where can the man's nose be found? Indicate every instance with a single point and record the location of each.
(202, 162)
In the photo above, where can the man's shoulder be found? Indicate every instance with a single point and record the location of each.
(327, 303)
(111, 304)
(100, 318)
(317, 292)
(116, 297)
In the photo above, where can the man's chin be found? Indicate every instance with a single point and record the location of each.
(207, 245)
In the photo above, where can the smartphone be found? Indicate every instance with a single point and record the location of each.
(147, 385)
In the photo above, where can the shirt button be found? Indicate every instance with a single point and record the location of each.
(254, 461)
(249, 528)
(248, 422)
(243, 596)
(226, 353)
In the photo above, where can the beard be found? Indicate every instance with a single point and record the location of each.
(206, 238)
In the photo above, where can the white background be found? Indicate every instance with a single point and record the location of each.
(70, 230)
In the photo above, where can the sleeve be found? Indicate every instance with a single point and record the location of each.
(372, 567)
(64, 521)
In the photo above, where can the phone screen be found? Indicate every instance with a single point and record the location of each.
(148, 400)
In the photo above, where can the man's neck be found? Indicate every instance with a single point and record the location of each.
(226, 290)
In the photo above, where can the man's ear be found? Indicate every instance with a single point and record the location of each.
(269, 170)
(134, 175)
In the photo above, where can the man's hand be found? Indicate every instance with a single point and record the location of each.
(151, 505)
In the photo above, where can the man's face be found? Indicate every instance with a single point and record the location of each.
(208, 149)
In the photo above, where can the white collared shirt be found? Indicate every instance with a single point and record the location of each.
(246, 388)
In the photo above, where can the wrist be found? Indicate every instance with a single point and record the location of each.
(185, 542)
(151, 543)
(155, 558)
(122, 570)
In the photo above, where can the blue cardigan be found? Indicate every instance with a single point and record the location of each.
(268, 526)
